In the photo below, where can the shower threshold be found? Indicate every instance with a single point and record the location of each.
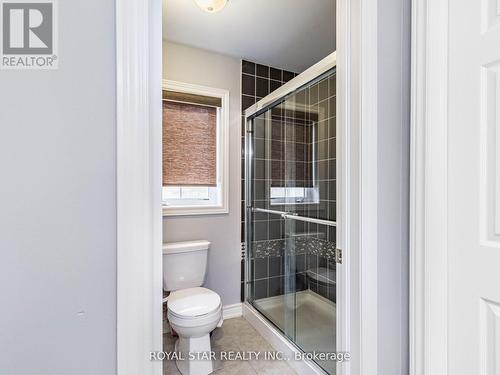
(315, 322)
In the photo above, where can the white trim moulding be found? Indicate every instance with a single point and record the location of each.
(138, 184)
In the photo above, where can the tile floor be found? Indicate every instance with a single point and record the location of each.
(235, 335)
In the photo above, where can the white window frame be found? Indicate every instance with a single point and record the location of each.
(310, 196)
(222, 151)
(211, 196)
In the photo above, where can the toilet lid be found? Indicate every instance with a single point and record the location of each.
(193, 302)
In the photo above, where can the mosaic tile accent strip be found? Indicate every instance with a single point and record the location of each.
(302, 245)
(271, 248)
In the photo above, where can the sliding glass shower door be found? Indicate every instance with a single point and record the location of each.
(291, 215)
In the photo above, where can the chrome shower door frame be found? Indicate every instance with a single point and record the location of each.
(308, 77)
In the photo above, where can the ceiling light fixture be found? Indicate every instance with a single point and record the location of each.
(211, 6)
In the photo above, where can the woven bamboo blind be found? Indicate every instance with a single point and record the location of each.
(189, 144)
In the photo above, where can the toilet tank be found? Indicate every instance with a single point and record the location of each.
(184, 264)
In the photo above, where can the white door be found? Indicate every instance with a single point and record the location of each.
(474, 187)
(471, 188)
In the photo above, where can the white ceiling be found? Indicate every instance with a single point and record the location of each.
(288, 34)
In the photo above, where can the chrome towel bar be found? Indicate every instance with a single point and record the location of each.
(294, 216)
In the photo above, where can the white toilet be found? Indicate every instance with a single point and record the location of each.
(193, 312)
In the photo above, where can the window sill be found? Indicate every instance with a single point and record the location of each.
(293, 203)
(194, 211)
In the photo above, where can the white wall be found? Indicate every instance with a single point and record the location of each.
(57, 202)
(196, 66)
(393, 184)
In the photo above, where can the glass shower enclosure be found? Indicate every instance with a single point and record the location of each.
(290, 213)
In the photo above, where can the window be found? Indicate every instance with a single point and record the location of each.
(294, 195)
(195, 148)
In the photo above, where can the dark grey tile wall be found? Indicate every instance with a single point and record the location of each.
(271, 278)
(321, 276)
(307, 263)
(283, 150)
(323, 101)
(300, 139)
(299, 143)
(257, 81)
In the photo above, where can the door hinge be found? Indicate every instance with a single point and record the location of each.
(338, 255)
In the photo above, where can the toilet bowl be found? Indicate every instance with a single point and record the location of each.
(192, 311)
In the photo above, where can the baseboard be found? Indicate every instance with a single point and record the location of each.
(278, 342)
(232, 311)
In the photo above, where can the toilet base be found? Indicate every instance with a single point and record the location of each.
(193, 345)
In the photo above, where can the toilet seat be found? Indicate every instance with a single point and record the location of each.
(193, 303)
(194, 311)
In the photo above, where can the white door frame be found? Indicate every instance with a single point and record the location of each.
(428, 196)
(139, 217)
(349, 91)
(139, 209)
(348, 186)
(368, 110)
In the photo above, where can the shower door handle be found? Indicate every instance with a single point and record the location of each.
(338, 255)
(295, 216)
(274, 212)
